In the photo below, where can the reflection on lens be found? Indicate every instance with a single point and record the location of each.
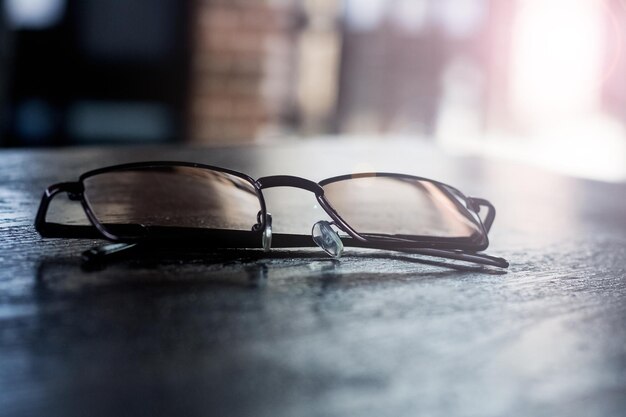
(401, 206)
(173, 197)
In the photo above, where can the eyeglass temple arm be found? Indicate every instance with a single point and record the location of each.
(47, 229)
(476, 258)
(114, 250)
(477, 203)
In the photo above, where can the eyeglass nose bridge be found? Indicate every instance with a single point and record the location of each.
(332, 242)
(290, 181)
(315, 188)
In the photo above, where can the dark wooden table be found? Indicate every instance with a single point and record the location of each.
(297, 334)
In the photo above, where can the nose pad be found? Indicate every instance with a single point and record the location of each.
(267, 233)
(266, 237)
(327, 239)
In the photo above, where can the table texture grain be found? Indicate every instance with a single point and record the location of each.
(294, 333)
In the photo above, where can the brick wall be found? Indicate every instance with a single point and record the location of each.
(242, 69)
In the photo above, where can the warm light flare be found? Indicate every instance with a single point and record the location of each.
(557, 59)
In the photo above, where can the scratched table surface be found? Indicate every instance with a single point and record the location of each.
(294, 333)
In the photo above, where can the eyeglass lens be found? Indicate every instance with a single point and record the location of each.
(173, 197)
(401, 206)
(192, 197)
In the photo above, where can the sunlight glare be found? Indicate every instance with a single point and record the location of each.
(557, 54)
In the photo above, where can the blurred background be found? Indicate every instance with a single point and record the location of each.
(535, 80)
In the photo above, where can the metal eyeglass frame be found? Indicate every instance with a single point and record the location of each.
(462, 249)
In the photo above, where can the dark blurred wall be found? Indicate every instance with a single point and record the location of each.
(243, 69)
(91, 71)
(5, 56)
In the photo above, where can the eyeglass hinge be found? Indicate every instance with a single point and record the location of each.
(473, 204)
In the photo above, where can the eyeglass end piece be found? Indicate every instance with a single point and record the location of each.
(327, 239)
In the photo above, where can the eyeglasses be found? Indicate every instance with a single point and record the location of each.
(176, 202)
